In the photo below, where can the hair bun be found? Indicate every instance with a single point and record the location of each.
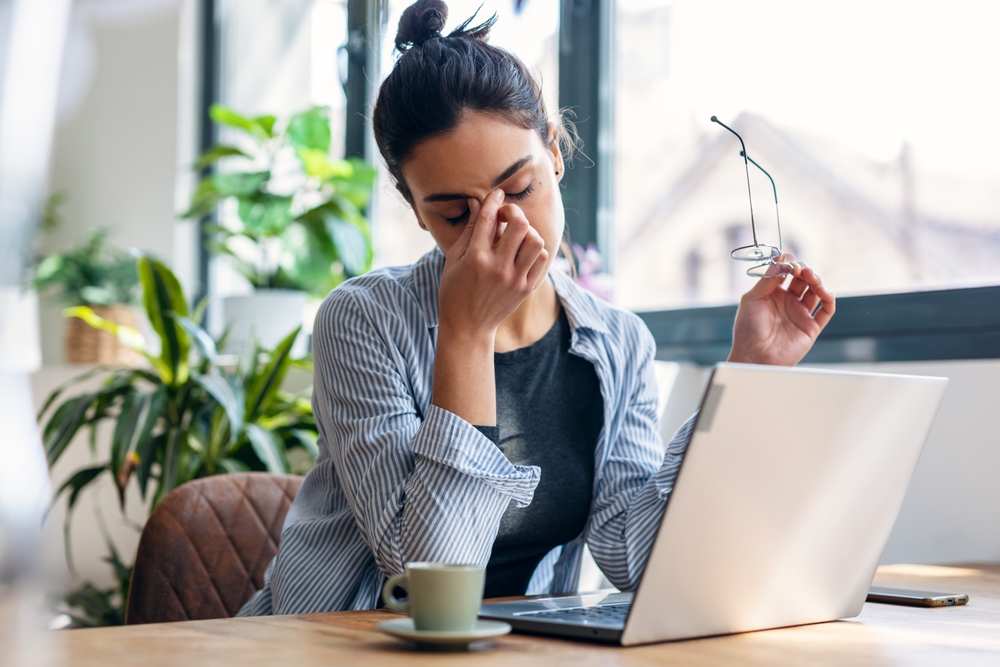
(423, 20)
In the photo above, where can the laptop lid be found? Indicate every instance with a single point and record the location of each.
(784, 501)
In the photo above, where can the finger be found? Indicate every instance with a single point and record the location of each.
(797, 287)
(763, 289)
(486, 221)
(537, 271)
(530, 249)
(786, 258)
(513, 235)
(811, 301)
(826, 311)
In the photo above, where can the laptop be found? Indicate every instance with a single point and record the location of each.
(779, 516)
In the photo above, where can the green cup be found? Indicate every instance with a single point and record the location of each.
(440, 597)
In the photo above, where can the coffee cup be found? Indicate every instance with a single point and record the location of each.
(440, 597)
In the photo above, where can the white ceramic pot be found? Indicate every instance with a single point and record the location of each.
(271, 314)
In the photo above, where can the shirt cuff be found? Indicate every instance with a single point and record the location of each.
(447, 439)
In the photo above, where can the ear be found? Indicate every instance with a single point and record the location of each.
(557, 157)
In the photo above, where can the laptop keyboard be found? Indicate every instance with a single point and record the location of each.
(609, 613)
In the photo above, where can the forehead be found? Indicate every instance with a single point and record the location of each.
(469, 157)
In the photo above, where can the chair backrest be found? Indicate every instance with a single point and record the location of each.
(203, 551)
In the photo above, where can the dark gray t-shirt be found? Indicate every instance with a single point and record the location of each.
(549, 414)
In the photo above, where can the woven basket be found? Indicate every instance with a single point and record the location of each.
(87, 345)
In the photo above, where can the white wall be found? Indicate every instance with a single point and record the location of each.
(951, 513)
(116, 154)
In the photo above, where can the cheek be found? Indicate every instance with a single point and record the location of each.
(547, 217)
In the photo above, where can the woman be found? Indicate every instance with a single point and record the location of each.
(474, 407)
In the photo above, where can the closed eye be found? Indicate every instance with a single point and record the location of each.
(516, 196)
(460, 220)
(523, 194)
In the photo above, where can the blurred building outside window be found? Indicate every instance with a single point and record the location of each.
(874, 118)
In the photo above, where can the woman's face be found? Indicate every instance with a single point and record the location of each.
(481, 154)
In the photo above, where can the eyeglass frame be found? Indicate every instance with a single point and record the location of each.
(785, 269)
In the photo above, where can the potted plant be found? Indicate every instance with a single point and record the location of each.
(177, 419)
(101, 277)
(291, 218)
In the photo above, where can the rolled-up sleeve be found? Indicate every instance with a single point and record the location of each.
(422, 485)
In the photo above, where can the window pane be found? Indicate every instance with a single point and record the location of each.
(528, 28)
(875, 118)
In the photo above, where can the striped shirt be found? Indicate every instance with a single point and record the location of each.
(399, 479)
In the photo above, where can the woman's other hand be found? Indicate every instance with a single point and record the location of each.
(778, 325)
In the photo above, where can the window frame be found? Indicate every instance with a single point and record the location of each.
(928, 325)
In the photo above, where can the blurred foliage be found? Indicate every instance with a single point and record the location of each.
(93, 273)
(186, 416)
(302, 230)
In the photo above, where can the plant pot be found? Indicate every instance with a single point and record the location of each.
(270, 314)
(86, 345)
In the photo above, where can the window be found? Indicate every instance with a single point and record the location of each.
(874, 118)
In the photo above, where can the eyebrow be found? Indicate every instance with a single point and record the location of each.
(507, 173)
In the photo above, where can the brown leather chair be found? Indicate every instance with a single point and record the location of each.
(204, 549)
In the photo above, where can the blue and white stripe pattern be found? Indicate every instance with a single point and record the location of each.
(399, 479)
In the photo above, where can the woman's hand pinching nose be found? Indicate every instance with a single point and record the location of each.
(487, 274)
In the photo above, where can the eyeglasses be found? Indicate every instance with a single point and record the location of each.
(759, 252)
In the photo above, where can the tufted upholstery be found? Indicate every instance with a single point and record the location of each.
(204, 549)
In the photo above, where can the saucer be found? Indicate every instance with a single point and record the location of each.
(403, 628)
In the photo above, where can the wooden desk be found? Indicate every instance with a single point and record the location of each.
(882, 635)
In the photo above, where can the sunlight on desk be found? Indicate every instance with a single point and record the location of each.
(881, 635)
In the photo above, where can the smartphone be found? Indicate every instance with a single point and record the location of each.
(915, 598)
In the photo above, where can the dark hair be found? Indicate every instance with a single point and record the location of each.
(437, 78)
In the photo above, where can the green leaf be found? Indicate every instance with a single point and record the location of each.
(265, 214)
(265, 386)
(269, 448)
(147, 456)
(199, 310)
(308, 441)
(204, 200)
(64, 386)
(49, 267)
(311, 129)
(226, 116)
(171, 464)
(164, 300)
(200, 337)
(216, 153)
(266, 123)
(352, 246)
(246, 368)
(317, 163)
(63, 426)
(77, 483)
(228, 393)
(233, 465)
(239, 184)
(125, 428)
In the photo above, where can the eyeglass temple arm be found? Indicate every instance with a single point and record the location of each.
(774, 187)
(753, 226)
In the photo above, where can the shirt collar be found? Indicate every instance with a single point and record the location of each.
(582, 308)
